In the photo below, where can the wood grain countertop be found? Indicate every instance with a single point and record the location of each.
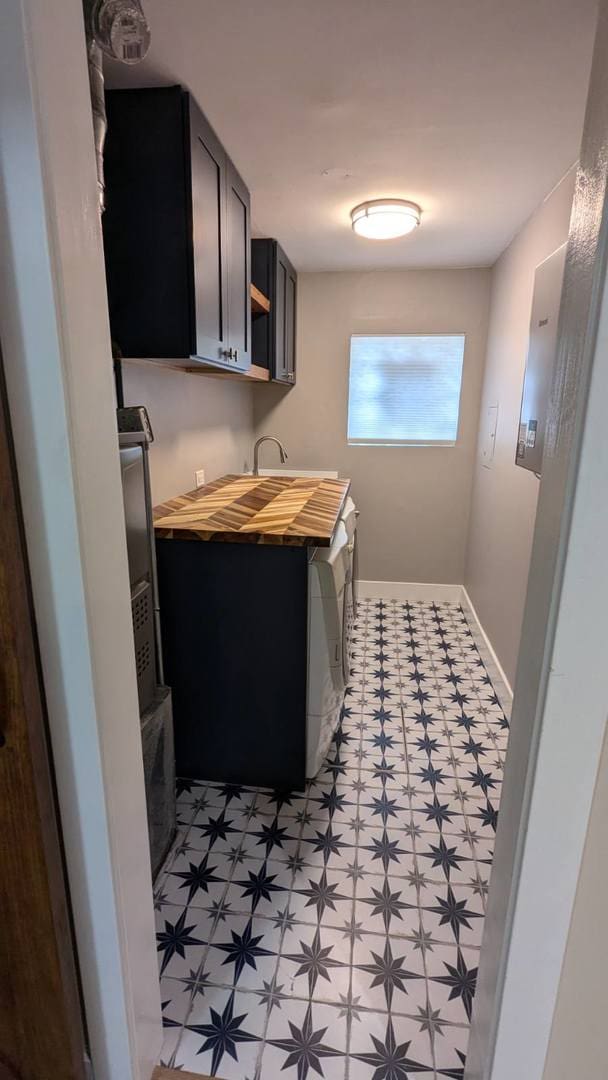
(294, 510)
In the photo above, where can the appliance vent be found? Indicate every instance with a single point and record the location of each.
(141, 611)
(143, 658)
(142, 614)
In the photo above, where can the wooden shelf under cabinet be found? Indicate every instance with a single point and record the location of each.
(254, 373)
(260, 304)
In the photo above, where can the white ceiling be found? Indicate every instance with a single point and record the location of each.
(472, 108)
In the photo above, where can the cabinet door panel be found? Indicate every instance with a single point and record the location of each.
(290, 327)
(238, 267)
(274, 335)
(280, 316)
(208, 216)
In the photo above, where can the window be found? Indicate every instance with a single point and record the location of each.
(404, 390)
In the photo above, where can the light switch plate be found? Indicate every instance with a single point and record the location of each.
(488, 440)
(199, 478)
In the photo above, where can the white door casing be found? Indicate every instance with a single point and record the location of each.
(57, 356)
(561, 691)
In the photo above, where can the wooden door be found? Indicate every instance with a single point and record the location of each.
(40, 1015)
(208, 165)
(238, 268)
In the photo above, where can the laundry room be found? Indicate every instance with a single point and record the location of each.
(319, 341)
(333, 240)
(321, 327)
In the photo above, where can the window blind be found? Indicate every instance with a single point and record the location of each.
(404, 389)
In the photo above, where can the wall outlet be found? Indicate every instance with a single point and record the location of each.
(199, 478)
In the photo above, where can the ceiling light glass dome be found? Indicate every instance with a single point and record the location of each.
(385, 219)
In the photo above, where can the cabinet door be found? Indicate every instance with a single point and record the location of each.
(290, 326)
(208, 164)
(279, 301)
(285, 325)
(262, 326)
(238, 269)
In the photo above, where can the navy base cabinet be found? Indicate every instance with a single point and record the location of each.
(234, 630)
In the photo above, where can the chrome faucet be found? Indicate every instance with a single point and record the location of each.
(256, 452)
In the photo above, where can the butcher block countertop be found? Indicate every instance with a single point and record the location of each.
(290, 510)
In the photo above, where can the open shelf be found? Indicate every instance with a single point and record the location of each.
(253, 374)
(260, 304)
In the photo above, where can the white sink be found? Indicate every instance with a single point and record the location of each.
(327, 474)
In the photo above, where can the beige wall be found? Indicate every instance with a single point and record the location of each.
(199, 422)
(578, 1046)
(414, 501)
(504, 497)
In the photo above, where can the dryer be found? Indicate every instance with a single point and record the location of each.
(330, 622)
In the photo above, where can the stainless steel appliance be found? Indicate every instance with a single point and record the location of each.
(156, 719)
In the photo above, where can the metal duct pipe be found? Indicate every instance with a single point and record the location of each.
(98, 105)
(119, 29)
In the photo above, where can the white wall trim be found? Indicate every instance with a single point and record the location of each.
(486, 651)
(414, 591)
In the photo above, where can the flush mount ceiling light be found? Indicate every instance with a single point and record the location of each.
(384, 219)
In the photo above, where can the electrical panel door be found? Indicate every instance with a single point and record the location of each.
(541, 360)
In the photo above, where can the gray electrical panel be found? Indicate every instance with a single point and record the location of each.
(541, 360)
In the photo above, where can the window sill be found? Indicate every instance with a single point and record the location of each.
(401, 445)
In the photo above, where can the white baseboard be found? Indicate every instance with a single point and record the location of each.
(427, 592)
(414, 591)
(493, 666)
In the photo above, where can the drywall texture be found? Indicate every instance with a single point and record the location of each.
(504, 496)
(414, 501)
(199, 422)
(578, 1045)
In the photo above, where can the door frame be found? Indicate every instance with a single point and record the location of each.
(550, 775)
(58, 364)
(57, 353)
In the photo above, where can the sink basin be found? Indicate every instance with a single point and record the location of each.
(329, 474)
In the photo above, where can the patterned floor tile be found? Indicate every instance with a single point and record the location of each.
(385, 1046)
(322, 895)
(388, 974)
(182, 935)
(316, 964)
(224, 1035)
(335, 932)
(197, 879)
(305, 1040)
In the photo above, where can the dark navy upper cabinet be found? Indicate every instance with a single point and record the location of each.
(208, 193)
(238, 250)
(176, 234)
(274, 335)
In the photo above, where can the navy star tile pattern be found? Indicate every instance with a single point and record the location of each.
(336, 932)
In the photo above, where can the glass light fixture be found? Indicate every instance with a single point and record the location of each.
(384, 219)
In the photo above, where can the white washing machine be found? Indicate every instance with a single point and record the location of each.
(330, 621)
